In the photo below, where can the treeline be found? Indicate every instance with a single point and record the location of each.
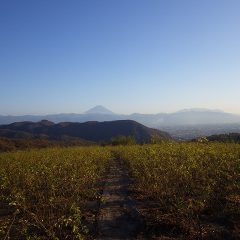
(227, 138)
(7, 144)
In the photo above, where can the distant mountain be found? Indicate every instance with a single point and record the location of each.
(200, 110)
(91, 131)
(200, 117)
(186, 117)
(99, 110)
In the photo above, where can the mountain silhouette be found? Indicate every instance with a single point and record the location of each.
(99, 110)
(91, 131)
(100, 113)
(178, 123)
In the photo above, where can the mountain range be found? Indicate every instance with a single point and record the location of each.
(184, 124)
(91, 131)
(100, 113)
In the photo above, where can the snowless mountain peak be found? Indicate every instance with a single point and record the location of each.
(99, 110)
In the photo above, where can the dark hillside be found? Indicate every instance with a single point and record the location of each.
(91, 131)
(227, 138)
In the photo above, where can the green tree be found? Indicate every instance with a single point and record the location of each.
(123, 140)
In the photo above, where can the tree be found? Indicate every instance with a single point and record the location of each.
(123, 140)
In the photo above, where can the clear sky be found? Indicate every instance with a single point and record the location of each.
(144, 56)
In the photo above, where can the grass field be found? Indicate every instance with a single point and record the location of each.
(45, 191)
(188, 190)
(194, 188)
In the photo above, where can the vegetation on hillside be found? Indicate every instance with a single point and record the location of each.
(123, 140)
(188, 190)
(44, 193)
(194, 188)
(90, 131)
(226, 138)
(8, 144)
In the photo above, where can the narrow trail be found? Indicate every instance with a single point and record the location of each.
(118, 217)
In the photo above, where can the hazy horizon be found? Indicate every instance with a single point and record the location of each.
(130, 56)
(120, 113)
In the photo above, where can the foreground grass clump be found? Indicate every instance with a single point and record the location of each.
(43, 192)
(194, 186)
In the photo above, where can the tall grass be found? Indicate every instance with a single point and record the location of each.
(190, 181)
(46, 190)
(43, 193)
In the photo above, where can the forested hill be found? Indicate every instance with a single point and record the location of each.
(227, 138)
(90, 131)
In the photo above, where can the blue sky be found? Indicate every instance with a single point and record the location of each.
(128, 55)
